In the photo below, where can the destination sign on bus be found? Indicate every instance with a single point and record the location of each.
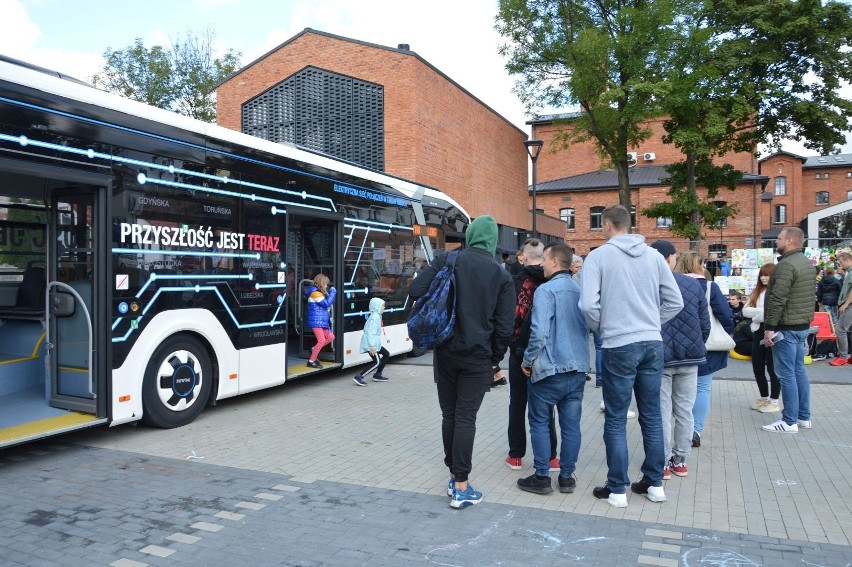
(425, 230)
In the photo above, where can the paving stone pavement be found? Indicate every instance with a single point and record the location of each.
(321, 472)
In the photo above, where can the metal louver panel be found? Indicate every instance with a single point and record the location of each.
(323, 111)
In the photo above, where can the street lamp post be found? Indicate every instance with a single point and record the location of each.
(533, 149)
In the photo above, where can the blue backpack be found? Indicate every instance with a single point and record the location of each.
(433, 316)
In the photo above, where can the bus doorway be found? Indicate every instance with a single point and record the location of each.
(52, 379)
(313, 247)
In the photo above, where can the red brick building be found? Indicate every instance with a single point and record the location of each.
(410, 119)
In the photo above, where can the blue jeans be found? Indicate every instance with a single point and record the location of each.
(635, 368)
(598, 359)
(789, 358)
(565, 392)
(702, 402)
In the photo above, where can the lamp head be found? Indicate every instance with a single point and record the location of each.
(533, 148)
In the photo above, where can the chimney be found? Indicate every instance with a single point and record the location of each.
(403, 47)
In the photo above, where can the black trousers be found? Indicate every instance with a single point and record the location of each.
(379, 361)
(761, 362)
(518, 392)
(461, 387)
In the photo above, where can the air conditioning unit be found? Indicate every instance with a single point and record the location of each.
(632, 157)
(650, 157)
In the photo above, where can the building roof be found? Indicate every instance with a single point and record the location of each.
(549, 118)
(402, 50)
(838, 160)
(607, 179)
(782, 153)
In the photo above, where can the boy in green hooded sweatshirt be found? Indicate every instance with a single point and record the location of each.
(466, 364)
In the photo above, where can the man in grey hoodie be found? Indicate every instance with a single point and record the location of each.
(628, 292)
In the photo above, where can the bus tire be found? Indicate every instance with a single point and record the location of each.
(177, 383)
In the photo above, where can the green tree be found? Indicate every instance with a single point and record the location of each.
(181, 77)
(747, 72)
(606, 57)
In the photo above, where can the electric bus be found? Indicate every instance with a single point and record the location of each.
(152, 264)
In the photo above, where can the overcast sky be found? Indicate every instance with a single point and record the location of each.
(456, 36)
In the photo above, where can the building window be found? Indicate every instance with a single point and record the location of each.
(822, 198)
(780, 214)
(723, 222)
(780, 185)
(664, 222)
(595, 222)
(567, 216)
(721, 250)
(849, 195)
(633, 216)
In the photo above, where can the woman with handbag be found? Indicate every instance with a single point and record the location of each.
(761, 357)
(722, 324)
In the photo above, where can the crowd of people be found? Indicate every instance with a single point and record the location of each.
(651, 311)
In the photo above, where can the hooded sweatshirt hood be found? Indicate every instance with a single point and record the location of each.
(482, 234)
(631, 244)
(376, 305)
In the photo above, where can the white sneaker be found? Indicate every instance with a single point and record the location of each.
(656, 494)
(630, 413)
(782, 427)
(805, 424)
(769, 407)
(617, 500)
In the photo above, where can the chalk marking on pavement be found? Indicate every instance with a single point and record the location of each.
(717, 557)
(785, 482)
(705, 537)
(194, 457)
(486, 533)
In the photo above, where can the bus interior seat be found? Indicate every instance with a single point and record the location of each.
(29, 303)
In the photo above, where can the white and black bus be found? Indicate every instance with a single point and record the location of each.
(151, 264)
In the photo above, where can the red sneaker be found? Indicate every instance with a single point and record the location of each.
(515, 463)
(679, 469)
(839, 361)
(554, 465)
(667, 473)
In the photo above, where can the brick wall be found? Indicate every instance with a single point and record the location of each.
(435, 133)
(584, 239)
(556, 162)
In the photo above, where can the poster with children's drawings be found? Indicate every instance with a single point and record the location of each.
(738, 258)
(724, 283)
(814, 255)
(765, 256)
(737, 283)
(750, 278)
(751, 259)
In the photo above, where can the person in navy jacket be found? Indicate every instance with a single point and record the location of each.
(683, 351)
(690, 263)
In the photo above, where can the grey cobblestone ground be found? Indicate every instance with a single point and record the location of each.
(320, 472)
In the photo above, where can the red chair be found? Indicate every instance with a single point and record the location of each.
(822, 319)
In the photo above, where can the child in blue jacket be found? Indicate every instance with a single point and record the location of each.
(371, 342)
(320, 298)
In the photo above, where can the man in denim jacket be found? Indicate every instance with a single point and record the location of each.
(556, 361)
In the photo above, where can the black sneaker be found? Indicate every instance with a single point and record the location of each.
(314, 364)
(359, 380)
(535, 483)
(696, 439)
(567, 484)
(379, 378)
(500, 382)
(601, 492)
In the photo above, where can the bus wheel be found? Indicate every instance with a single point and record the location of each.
(177, 383)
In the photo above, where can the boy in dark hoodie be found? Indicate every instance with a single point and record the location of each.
(465, 365)
(526, 282)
